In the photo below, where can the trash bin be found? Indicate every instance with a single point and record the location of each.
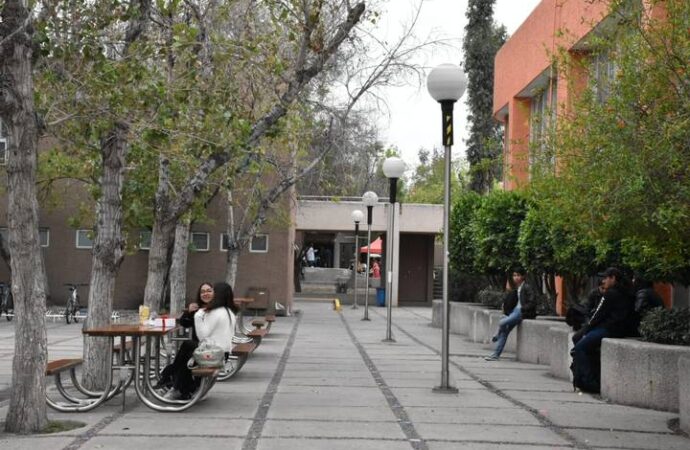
(260, 296)
(381, 296)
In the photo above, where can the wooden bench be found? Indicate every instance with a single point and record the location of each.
(205, 372)
(60, 365)
(267, 321)
(239, 355)
(243, 349)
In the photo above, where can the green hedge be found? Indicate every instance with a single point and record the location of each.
(666, 326)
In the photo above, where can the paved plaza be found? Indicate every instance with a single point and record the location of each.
(324, 380)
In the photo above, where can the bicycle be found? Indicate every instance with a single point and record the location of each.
(7, 302)
(72, 307)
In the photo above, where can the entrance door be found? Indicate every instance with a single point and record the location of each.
(416, 252)
(347, 255)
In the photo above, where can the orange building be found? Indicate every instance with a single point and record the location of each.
(529, 94)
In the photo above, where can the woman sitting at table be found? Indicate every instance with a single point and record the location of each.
(210, 319)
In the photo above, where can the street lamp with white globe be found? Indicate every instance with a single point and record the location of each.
(357, 217)
(370, 199)
(446, 84)
(393, 169)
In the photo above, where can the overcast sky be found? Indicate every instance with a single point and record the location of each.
(413, 119)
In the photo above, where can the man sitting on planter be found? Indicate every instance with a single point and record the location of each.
(611, 318)
(519, 304)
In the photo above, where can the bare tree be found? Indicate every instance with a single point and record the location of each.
(315, 46)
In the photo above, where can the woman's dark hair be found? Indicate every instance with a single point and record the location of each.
(223, 296)
(198, 292)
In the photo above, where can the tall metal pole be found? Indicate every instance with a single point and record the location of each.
(389, 260)
(356, 266)
(366, 290)
(447, 110)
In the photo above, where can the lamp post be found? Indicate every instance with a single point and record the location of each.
(357, 217)
(393, 168)
(446, 84)
(370, 199)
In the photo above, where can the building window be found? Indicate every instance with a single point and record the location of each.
(43, 235)
(84, 238)
(603, 75)
(200, 242)
(145, 240)
(542, 121)
(223, 242)
(259, 244)
(3, 143)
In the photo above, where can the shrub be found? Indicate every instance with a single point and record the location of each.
(545, 306)
(666, 326)
(491, 298)
(465, 287)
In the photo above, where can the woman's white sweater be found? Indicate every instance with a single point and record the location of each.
(216, 326)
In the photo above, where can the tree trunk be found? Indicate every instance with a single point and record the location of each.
(178, 268)
(108, 252)
(162, 237)
(27, 409)
(231, 268)
(233, 245)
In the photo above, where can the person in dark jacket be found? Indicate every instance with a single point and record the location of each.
(519, 304)
(645, 299)
(611, 318)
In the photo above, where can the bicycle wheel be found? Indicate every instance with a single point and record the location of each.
(9, 314)
(75, 311)
(69, 314)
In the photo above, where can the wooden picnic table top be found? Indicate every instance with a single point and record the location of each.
(242, 300)
(128, 330)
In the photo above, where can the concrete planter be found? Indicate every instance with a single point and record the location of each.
(534, 340)
(641, 374)
(559, 358)
(684, 392)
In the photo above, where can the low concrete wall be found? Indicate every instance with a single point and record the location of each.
(481, 333)
(534, 340)
(559, 358)
(684, 392)
(437, 313)
(640, 373)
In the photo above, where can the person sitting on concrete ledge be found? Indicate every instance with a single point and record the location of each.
(611, 318)
(520, 303)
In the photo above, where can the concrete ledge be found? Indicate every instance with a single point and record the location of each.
(684, 392)
(534, 340)
(559, 358)
(474, 321)
(640, 373)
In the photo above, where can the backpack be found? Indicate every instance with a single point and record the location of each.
(576, 316)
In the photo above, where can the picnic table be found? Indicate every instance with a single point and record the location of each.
(137, 369)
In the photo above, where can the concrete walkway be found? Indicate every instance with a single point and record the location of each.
(324, 380)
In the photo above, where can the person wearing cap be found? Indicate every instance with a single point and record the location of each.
(519, 304)
(611, 318)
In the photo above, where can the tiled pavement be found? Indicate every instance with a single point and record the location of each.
(324, 380)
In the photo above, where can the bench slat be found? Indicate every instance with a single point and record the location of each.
(257, 333)
(60, 365)
(243, 349)
(205, 372)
